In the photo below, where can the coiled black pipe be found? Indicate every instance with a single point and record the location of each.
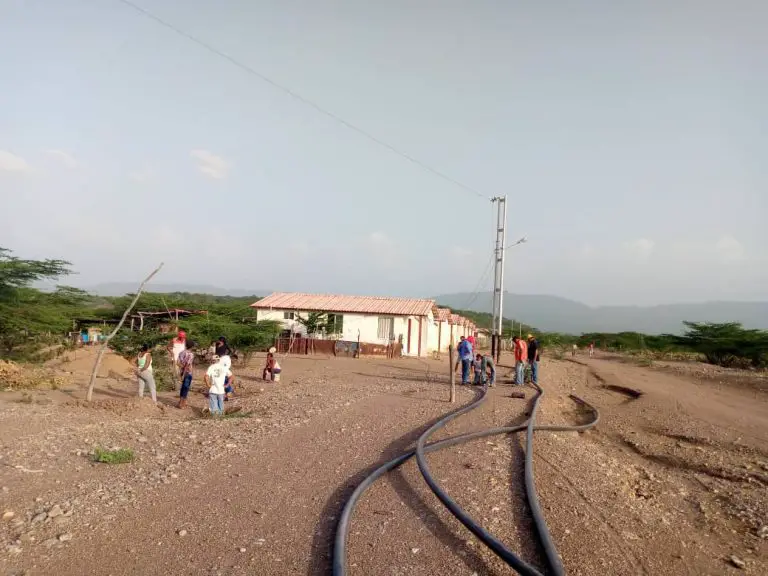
(342, 530)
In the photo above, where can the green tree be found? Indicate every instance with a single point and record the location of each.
(30, 317)
(16, 273)
(726, 344)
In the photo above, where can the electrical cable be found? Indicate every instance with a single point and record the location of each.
(342, 531)
(296, 96)
(482, 281)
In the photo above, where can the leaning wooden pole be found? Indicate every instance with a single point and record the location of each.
(453, 373)
(105, 343)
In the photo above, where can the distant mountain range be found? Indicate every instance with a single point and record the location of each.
(555, 314)
(122, 288)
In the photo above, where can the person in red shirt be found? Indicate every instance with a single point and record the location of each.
(471, 340)
(521, 357)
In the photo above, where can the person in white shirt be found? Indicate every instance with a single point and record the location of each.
(215, 377)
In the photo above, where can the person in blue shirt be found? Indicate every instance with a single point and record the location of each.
(465, 357)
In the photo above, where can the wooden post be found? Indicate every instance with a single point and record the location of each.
(106, 340)
(453, 372)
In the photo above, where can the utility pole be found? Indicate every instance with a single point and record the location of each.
(498, 277)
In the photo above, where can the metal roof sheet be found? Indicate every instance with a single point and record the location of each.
(350, 304)
(441, 314)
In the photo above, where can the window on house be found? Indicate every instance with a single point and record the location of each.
(288, 315)
(386, 328)
(335, 324)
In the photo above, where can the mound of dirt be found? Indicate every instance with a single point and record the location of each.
(81, 362)
(20, 376)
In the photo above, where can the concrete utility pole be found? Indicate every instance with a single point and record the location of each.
(498, 276)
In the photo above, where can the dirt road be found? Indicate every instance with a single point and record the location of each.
(672, 481)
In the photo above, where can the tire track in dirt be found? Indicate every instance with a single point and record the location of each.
(638, 565)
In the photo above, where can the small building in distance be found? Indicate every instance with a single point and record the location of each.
(376, 320)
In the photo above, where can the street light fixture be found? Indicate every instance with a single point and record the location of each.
(522, 240)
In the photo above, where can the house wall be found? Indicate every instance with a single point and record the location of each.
(440, 331)
(367, 327)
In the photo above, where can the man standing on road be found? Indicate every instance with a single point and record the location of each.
(465, 357)
(521, 355)
(534, 353)
(176, 346)
(186, 359)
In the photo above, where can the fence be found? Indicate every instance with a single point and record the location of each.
(336, 347)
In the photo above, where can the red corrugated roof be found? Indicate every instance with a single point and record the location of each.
(441, 314)
(351, 304)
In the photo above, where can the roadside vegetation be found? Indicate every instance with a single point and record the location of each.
(729, 345)
(34, 325)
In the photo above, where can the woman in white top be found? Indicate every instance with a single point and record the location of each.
(145, 374)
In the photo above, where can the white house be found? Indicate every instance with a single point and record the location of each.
(369, 319)
(440, 336)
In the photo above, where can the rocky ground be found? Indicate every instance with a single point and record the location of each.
(673, 479)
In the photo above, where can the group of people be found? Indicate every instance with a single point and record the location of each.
(527, 353)
(482, 364)
(218, 377)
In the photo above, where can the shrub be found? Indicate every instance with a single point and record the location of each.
(727, 344)
(119, 456)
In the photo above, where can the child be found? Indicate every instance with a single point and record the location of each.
(272, 367)
(477, 364)
(216, 377)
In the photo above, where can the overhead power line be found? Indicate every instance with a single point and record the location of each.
(483, 279)
(300, 98)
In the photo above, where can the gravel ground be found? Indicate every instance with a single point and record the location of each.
(673, 481)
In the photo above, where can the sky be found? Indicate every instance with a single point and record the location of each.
(631, 139)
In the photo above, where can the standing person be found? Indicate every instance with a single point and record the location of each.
(591, 349)
(177, 345)
(464, 350)
(215, 378)
(185, 361)
(573, 350)
(222, 348)
(534, 355)
(144, 372)
(521, 355)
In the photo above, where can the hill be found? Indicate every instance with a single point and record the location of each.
(556, 314)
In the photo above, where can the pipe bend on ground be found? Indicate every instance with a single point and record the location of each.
(554, 564)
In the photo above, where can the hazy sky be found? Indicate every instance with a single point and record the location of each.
(630, 137)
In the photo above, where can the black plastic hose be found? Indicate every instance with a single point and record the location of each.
(342, 531)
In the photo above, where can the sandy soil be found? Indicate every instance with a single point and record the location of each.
(672, 481)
